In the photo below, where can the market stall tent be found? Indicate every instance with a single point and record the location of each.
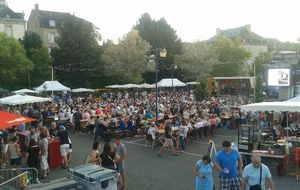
(51, 86)
(145, 85)
(25, 91)
(22, 99)
(78, 90)
(168, 83)
(272, 106)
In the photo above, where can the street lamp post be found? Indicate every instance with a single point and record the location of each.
(159, 53)
(173, 68)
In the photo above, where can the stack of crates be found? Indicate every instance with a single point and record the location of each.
(94, 177)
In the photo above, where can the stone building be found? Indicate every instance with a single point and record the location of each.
(11, 23)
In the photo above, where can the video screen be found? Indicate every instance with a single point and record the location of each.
(279, 77)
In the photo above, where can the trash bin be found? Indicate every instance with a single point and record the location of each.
(92, 177)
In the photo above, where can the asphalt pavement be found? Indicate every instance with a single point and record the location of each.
(146, 171)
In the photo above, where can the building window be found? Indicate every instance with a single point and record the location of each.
(9, 31)
(51, 38)
(52, 23)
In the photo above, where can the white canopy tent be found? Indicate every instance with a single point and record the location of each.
(295, 99)
(52, 86)
(168, 83)
(25, 91)
(112, 86)
(273, 106)
(78, 90)
(22, 99)
(129, 86)
(145, 85)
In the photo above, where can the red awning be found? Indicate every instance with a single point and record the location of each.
(10, 119)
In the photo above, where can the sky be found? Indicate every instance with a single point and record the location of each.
(193, 20)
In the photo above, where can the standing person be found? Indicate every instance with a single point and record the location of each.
(64, 146)
(256, 174)
(14, 152)
(182, 135)
(121, 151)
(203, 172)
(44, 154)
(4, 147)
(109, 158)
(95, 155)
(33, 153)
(227, 162)
(168, 139)
(77, 117)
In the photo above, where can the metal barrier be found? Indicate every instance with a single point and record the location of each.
(18, 178)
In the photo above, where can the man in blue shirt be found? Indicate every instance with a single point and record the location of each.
(252, 174)
(227, 162)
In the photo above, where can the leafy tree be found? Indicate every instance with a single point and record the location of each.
(201, 91)
(40, 58)
(127, 60)
(78, 54)
(196, 61)
(160, 35)
(13, 61)
(231, 57)
(259, 62)
(30, 42)
(259, 96)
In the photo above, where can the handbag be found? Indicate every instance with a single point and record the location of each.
(257, 186)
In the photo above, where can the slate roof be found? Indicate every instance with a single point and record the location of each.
(6, 12)
(240, 32)
(45, 16)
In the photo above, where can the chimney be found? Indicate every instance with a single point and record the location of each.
(218, 31)
(36, 6)
(248, 27)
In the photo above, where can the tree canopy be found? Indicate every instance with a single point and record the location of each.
(40, 58)
(127, 60)
(13, 61)
(78, 54)
(196, 61)
(231, 57)
(159, 34)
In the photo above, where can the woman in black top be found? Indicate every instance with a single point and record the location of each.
(33, 154)
(109, 157)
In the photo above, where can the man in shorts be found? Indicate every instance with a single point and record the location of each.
(64, 146)
(168, 139)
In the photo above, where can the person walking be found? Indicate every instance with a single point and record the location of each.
(256, 174)
(121, 151)
(64, 146)
(168, 139)
(203, 172)
(227, 162)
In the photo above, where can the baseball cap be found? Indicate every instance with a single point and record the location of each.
(61, 127)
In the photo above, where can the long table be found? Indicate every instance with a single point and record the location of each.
(282, 165)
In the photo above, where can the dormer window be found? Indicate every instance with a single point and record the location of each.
(52, 23)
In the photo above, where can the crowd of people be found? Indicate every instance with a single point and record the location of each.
(181, 120)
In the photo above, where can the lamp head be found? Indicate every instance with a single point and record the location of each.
(163, 52)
